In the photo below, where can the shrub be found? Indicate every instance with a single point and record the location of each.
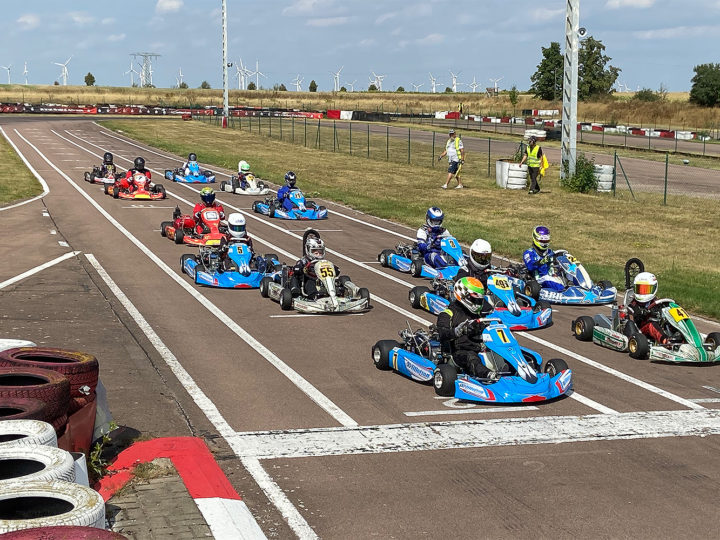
(646, 95)
(583, 181)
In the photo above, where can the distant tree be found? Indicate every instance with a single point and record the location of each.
(662, 92)
(313, 86)
(279, 87)
(89, 79)
(183, 85)
(646, 95)
(705, 89)
(448, 90)
(595, 76)
(343, 89)
(513, 94)
(372, 88)
(205, 85)
(251, 86)
(400, 89)
(547, 80)
(56, 83)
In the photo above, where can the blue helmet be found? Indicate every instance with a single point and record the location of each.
(541, 237)
(290, 179)
(434, 218)
(207, 195)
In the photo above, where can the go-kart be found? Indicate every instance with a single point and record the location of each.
(301, 209)
(182, 229)
(195, 176)
(406, 258)
(619, 333)
(336, 294)
(579, 288)
(516, 310)
(142, 189)
(523, 377)
(229, 266)
(97, 177)
(255, 186)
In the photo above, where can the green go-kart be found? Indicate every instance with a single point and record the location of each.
(617, 332)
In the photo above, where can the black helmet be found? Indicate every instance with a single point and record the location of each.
(108, 158)
(290, 179)
(139, 163)
(192, 157)
(532, 140)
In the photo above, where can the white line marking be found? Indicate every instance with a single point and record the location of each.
(40, 179)
(312, 315)
(477, 434)
(592, 403)
(45, 214)
(706, 400)
(447, 412)
(63, 243)
(53, 231)
(151, 207)
(197, 395)
(712, 389)
(37, 269)
(378, 227)
(318, 230)
(229, 519)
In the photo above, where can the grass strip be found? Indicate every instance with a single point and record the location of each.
(16, 181)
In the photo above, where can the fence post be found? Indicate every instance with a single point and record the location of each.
(489, 142)
(614, 171)
(704, 142)
(250, 120)
(259, 125)
(270, 127)
(350, 137)
(317, 138)
(603, 137)
(387, 143)
(368, 132)
(334, 136)
(305, 143)
(676, 134)
(408, 146)
(281, 138)
(667, 159)
(649, 132)
(292, 123)
(433, 150)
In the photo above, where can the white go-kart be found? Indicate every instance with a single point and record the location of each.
(254, 186)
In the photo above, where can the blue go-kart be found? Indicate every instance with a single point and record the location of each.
(196, 175)
(570, 274)
(407, 258)
(516, 310)
(300, 208)
(523, 376)
(230, 267)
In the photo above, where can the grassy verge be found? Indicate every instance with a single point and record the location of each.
(601, 230)
(16, 181)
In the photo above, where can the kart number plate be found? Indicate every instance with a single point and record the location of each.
(211, 215)
(212, 243)
(503, 337)
(326, 270)
(678, 314)
(452, 243)
(501, 283)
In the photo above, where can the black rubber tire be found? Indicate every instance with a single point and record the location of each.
(261, 185)
(380, 353)
(115, 192)
(222, 185)
(265, 286)
(632, 268)
(106, 188)
(159, 188)
(46, 385)
(541, 305)
(342, 280)
(179, 236)
(163, 227)
(270, 256)
(234, 183)
(285, 300)
(364, 293)
(271, 211)
(582, 328)
(638, 346)
(416, 267)
(255, 206)
(532, 289)
(444, 380)
(384, 257)
(605, 284)
(415, 294)
(554, 366)
(184, 258)
(713, 337)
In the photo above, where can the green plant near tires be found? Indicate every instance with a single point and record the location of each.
(583, 181)
(97, 465)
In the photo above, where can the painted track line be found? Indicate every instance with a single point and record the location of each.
(37, 269)
(473, 410)
(46, 188)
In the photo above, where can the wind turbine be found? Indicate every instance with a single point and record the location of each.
(416, 86)
(241, 73)
(352, 85)
(495, 81)
(257, 74)
(298, 83)
(64, 73)
(25, 72)
(378, 81)
(179, 77)
(454, 80)
(474, 84)
(8, 70)
(131, 72)
(433, 82)
(336, 79)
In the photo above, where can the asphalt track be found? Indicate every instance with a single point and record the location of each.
(320, 442)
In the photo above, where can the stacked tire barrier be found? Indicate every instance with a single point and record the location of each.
(510, 175)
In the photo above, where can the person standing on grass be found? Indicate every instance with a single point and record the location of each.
(456, 157)
(534, 157)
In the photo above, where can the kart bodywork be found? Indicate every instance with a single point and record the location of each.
(407, 258)
(301, 209)
(195, 176)
(255, 186)
(230, 267)
(182, 229)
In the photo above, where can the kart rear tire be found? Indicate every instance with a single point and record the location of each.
(582, 328)
(163, 227)
(265, 286)
(444, 380)
(714, 338)
(541, 305)
(159, 188)
(638, 346)
(271, 211)
(106, 189)
(261, 186)
(184, 258)
(416, 267)
(234, 183)
(342, 280)
(381, 353)
(364, 293)
(554, 366)
(532, 289)
(116, 192)
(179, 236)
(384, 257)
(286, 300)
(605, 284)
(223, 184)
(255, 206)
(415, 294)
(270, 256)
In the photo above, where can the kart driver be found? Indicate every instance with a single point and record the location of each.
(539, 260)
(185, 167)
(429, 236)
(302, 275)
(237, 234)
(458, 326)
(243, 172)
(283, 193)
(478, 262)
(138, 167)
(644, 313)
(207, 197)
(108, 167)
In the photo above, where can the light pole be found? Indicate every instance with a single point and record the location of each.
(225, 65)
(570, 80)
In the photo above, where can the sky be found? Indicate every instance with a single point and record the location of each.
(654, 42)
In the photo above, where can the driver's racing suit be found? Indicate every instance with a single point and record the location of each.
(428, 244)
(127, 182)
(199, 228)
(283, 197)
(645, 317)
(540, 265)
(303, 279)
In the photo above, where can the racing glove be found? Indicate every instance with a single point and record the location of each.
(462, 328)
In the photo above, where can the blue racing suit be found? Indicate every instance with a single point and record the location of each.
(283, 197)
(428, 244)
(540, 266)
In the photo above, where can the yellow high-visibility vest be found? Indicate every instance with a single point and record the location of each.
(533, 160)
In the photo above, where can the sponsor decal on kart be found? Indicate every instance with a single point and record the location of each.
(564, 381)
(678, 314)
(393, 359)
(476, 390)
(501, 283)
(417, 372)
(551, 295)
(423, 301)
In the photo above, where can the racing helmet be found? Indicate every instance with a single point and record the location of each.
(207, 195)
(434, 218)
(469, 291)
(243, 167)
(645, 286)
(107, 158)
(480, 254)
(290, 179)
(541, 237)
(139, 163)
(192, 157)
(314, 248)
(236, 225)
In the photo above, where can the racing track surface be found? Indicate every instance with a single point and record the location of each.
(327, 445)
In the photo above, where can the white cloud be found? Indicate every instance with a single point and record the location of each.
(617, 4)
(116, 37)
(107, 20)
(366, 42)
(306, 7)
(430, 39)
(385, 17)
(28, 21)
(547, 14)
(677, 32)
(168, 6)
(328, 21)
(81, 18)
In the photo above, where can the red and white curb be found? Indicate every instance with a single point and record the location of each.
(221, 506)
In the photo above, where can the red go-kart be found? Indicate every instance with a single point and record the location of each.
(141, 189)
(182, 228)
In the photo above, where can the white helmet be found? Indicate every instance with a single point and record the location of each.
(236, 225)
(645, 287)
(480, 254)
(314, 248)
(243, 167)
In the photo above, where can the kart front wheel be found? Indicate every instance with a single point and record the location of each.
(381, 353)
(384, 257)
(532, 289)
(416, 267)
(222, 185)
(179, 236)
(116, 192)
(265, 286)
(605, 284)
(161, 189)
(714, 338)
(541, 305)
(555, 366)
(364, 294)
(444, 380)
(185, 258)
(106, 189)
(285, 300)
(163, 227)
(638, 346)
(582, 328)
(342, 280)
(415, 295)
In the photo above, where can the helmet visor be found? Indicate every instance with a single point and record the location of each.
(482, 259)
(237, 228)
(645, 288)
(317, 252)
(434, 222)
